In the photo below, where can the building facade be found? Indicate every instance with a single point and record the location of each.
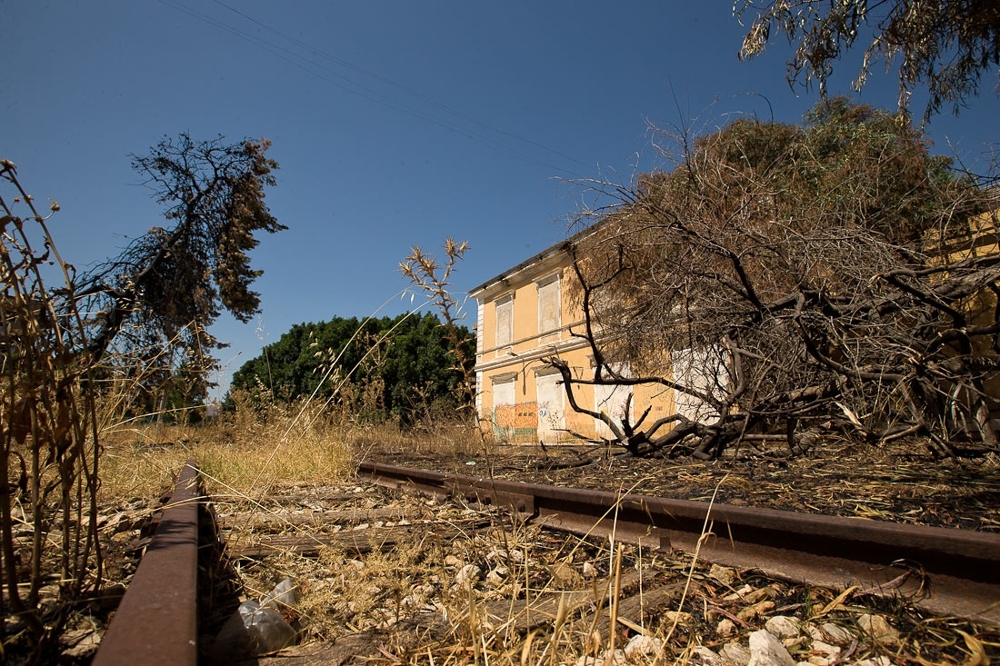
(529, 313)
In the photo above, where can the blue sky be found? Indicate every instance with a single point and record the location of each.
(395, 123)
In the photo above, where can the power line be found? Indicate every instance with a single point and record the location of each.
(399, 86)
(328, 75)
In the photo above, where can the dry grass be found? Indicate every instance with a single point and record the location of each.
(512, 594)
(142, 462)
(534, 597)
(250, 450)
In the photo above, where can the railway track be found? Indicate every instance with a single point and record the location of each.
(946, 572)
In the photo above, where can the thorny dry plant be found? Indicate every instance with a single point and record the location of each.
(48, 440)
(425, 273)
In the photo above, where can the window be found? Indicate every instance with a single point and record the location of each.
(505, 320)
(548, 305)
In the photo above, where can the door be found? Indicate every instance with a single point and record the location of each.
(550, 397)
(704, 371)
(612, 401)
(503, 409)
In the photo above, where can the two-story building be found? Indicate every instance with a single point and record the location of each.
(528, 313)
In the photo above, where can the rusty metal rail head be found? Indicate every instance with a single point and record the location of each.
(947, 571)
(157, 620)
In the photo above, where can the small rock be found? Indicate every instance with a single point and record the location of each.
(724, 575)
(726, 627)
(736, 653)
(756, 610)
(589, 570)
(766, 650)
(642, 646)
(878, 628)
(497, 554)
(818, 660)
(564, 574)
(497, 575)
(680, 617)
(825, 649)
(81, 643)
(767, 592)
(738, 594)
(836, 634)
(783, 626)
(468, 575)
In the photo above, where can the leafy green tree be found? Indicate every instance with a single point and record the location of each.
(408, 358)
(945, 44)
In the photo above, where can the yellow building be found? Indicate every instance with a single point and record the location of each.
(528, 313)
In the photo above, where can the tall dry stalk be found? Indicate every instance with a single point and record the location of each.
(425, 272)
(48, 437)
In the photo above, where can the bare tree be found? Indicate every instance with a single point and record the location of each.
(170, 284)
(787, 279)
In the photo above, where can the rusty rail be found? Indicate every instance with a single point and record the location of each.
(946, 571)
(157, 620)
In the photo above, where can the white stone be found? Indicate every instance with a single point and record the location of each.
(836, 634)
(766, 650)
(642, 646)
(497, 575)
(468, 575)
(726, 627)
(680, 617)
(735, 653)
(738, 594)
(783, 626)
(724, 575)
(878, 628)
(825, 649)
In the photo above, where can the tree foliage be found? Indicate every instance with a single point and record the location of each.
(795, 278)
(945, 44)
(169, 285)
(401, 366)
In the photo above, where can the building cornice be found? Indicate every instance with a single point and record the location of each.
(554, 348)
